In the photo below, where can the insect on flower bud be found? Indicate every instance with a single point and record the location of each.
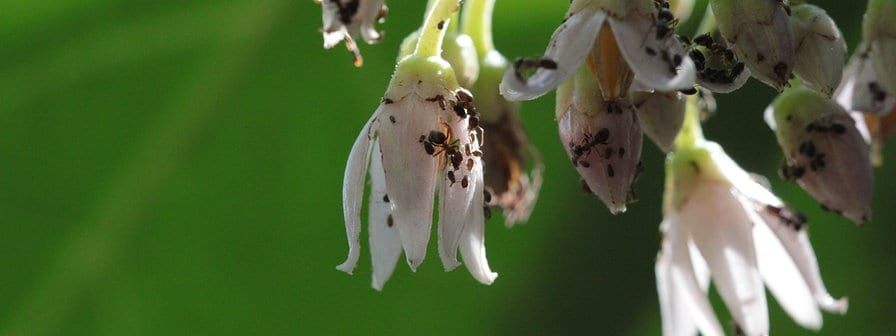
(820, 48)
(602, 137)
(879, 33)
(759, 32)
(825, 153)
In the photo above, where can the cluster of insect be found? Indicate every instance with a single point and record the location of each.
(446, 146)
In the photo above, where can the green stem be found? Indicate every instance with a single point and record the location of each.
(431, 34)
(708, 23)
(691, 133)
(478, 24)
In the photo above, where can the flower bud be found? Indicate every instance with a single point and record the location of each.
(879, 33)
(820, 48)
(860, 89)
(661, 115)
(760, 34)
(602, 137)
(825, 153)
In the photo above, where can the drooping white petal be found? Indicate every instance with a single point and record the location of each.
(457, 196)
(739, 178)
(657, 60)
(410, 170)
(684, 305)
(568, 47)
(353, 190)
(721, 230)
(781, 275)
(385, 244)
(472, 242)
(796, 242)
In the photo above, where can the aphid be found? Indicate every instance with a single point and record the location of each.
(602, 136)
(450, 176)
(650, 51)
(610, 172)
(621, 152)
(676, 59)
(465, 181)
(477, 153)
(460, 111)
(473, 122)
(781, 70)
(437, 137)
(877, 92)
(389, 221)
(470, 164)
(392, 119)
(585, 164)
(422, 138)
(386, 198)
(487, 196)
(689, 92)
(737, 70)
(838, 128)
(387, 101)
(703, 40)
(439, 99)
(441, 25)
(464, 96)
(547, 63)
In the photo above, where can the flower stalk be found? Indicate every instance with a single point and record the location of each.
(433, 29)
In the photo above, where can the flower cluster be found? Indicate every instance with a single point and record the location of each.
(622, 69)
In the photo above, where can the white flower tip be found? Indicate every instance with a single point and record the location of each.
(347, 267)
(377, 284)
(450, 265)
(486, 278)
(835, 306)
(414, 262)
(617, 208)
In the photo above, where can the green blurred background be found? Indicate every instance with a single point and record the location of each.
(173, 168)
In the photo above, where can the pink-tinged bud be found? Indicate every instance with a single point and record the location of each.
(825, 152)
(603, 139)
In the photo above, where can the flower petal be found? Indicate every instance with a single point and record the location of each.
(795, 241)
(782, 276)
(457, 196)
(568, 47)
(385, 243)
(353, 190)
(682, 289)
(410, 170)
(472, 242)
(658, 61)
(721, 230)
